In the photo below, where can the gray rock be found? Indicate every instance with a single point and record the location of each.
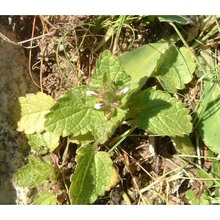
(14, 82)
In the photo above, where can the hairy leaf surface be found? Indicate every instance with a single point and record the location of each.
(75, 113)
(33, 109)
(160, 114)
(43, 142)
(92, 175)
(44, 198)
(34, 173)
(72, 115)
(175, 68)
(109, 68)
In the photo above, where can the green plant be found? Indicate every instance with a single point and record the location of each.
(90, 114)
(114, 26)
(209, 184)
(207, 116)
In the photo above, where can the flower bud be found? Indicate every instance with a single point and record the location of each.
(123, 91)
(99, 105)
(91, 93)
(116, 103)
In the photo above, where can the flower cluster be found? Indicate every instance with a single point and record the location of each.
(109, 98)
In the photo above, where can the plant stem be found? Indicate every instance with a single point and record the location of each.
(123, 137)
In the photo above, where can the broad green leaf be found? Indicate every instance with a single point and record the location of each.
(45, 198)
(210, 122)
(175, 18)
(102, 129)
(159, 113)
(109, 79)
(43, 142)
(108, 68)
(74, 114)
(115, 178)
(36, 172)
(71, 114)
(175, 68)
(140, 63)
(208, 113)
(33, 109)
(92, 175)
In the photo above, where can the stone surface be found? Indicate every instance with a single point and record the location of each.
(14, 82)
